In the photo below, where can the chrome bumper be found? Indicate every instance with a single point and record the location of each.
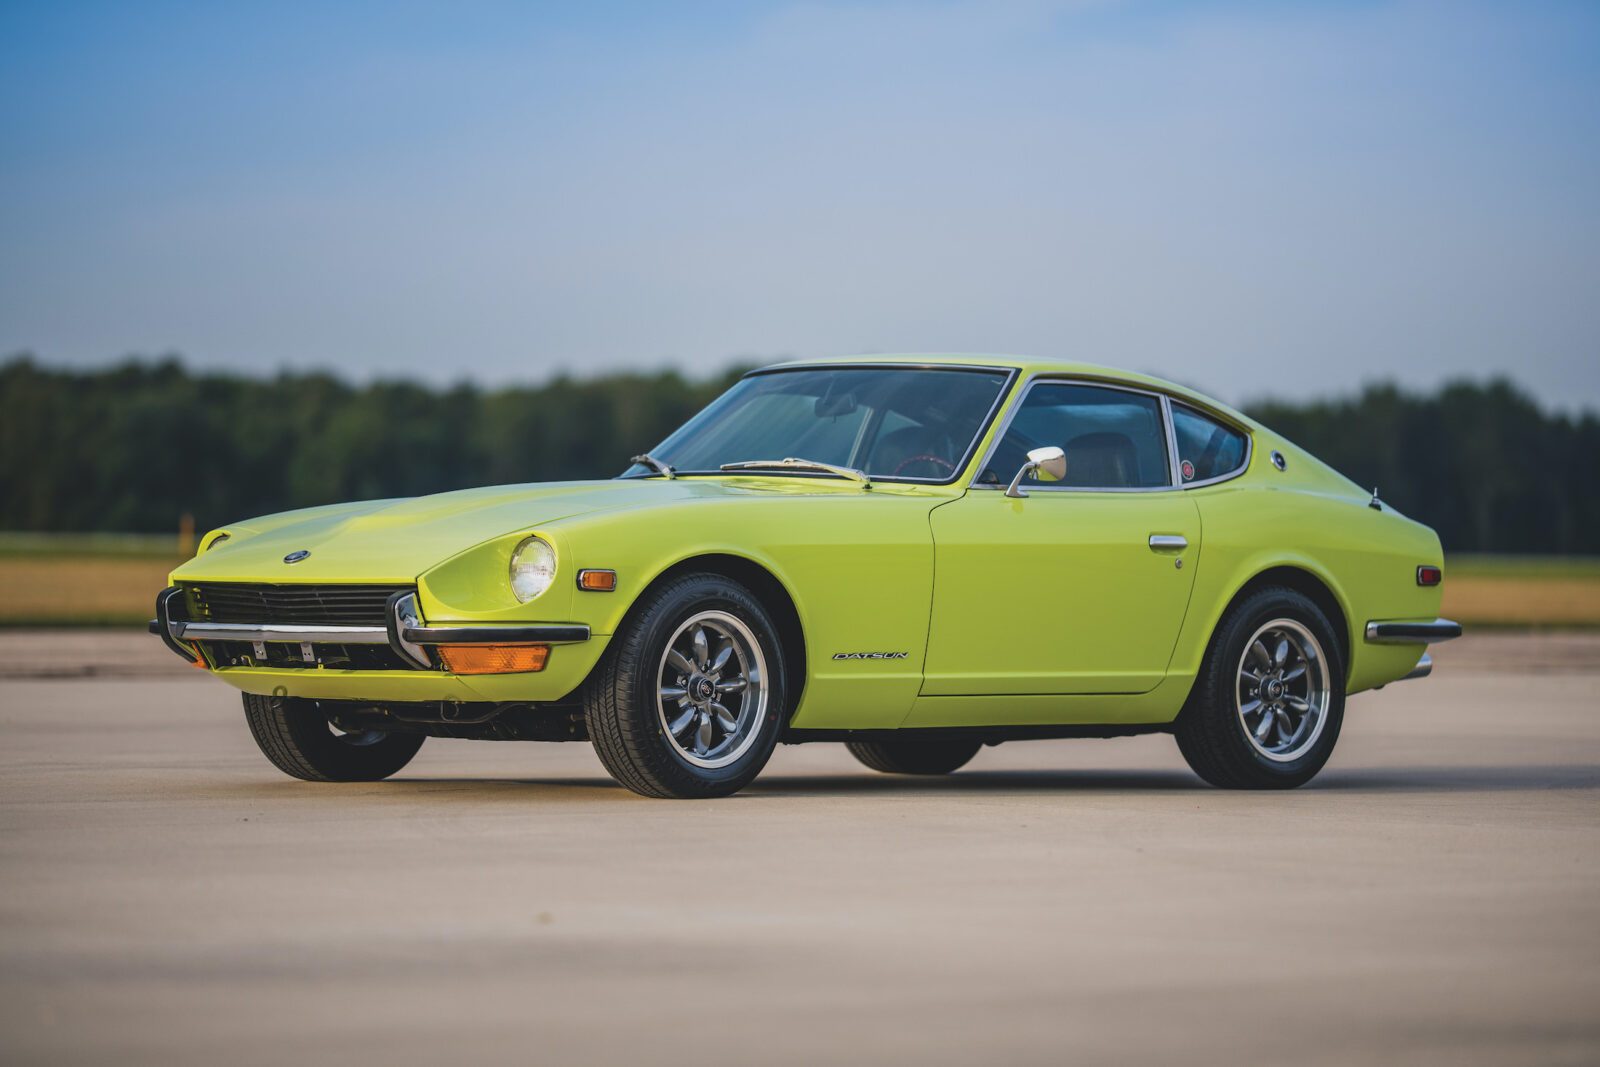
(404, 631)
(376, 635)
(1415, 633)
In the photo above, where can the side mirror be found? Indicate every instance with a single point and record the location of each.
(1045, 464)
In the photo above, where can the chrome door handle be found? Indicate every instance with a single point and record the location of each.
(1160, 541)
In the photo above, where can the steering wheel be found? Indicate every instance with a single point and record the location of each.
(946, 464)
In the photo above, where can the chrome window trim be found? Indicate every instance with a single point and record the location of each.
(963, 464)
(1249, 444)
(1098, 383)
(1174, 474)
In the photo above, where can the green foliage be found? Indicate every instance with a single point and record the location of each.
(134, 447)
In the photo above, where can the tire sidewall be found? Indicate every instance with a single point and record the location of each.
(295, 735)
(641, 680)
(1260, 609)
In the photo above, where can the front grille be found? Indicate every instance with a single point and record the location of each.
(282, 656)
(262, 603)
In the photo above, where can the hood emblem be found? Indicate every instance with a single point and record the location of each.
(296, 557)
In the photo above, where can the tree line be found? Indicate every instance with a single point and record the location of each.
(133, 447)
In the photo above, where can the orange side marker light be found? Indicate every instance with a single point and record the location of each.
(493, 659)
(597, 581)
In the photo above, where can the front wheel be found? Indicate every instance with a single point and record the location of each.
(301, 743)
(689, 698)
(1266, 709)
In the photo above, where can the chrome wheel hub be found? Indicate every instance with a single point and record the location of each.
(712, 689)
(1283, 690)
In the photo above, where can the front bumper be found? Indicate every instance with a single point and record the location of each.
(301, 670)
(405, 632)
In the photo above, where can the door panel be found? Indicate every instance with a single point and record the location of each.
(1058, 592)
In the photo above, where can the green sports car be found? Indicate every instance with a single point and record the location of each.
(916, 556)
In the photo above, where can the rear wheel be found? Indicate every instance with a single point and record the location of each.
(913, 755)
(300, 742)
(1266, 709)
(688, 700)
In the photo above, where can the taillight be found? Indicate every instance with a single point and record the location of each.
(1429, 575)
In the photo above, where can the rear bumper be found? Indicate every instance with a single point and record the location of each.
(1396, 634)
(1412, 633)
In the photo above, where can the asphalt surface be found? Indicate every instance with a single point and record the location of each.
(1433, 897)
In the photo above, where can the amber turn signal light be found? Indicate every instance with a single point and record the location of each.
(1429, 575)
(597, 581)
(493, 659)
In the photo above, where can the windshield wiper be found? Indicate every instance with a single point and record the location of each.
(794, 464)
(655, 464)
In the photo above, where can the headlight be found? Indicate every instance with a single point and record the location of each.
(533, 568)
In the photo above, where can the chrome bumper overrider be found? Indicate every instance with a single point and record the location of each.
(1417, 633)
(405, 631)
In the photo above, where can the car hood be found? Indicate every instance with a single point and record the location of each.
(387, 541)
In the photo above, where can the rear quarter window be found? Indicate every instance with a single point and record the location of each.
(1206, 448)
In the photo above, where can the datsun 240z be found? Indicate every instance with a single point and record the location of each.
(916, 556)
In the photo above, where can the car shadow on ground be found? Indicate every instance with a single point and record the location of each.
(1066, 781)
(1491, 779)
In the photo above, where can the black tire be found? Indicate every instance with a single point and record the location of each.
(297, 738)
(630, 724)
(1212, 729)
(914, 755)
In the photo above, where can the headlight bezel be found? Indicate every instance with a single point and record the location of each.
(535, 574)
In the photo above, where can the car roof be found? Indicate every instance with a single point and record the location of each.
(1029, 366)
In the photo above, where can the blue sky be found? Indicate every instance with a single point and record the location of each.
(1256, 198)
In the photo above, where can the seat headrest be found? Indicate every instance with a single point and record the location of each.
(1105, 460)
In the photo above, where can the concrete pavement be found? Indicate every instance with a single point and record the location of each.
(1433, 897)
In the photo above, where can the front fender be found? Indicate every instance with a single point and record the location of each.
(858, 567)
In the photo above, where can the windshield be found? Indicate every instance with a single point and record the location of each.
(908, 423)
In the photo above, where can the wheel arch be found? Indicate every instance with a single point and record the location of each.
(768, 589)
(1308, 583)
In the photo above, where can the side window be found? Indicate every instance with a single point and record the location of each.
(1206, 448)
(1112, 439)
